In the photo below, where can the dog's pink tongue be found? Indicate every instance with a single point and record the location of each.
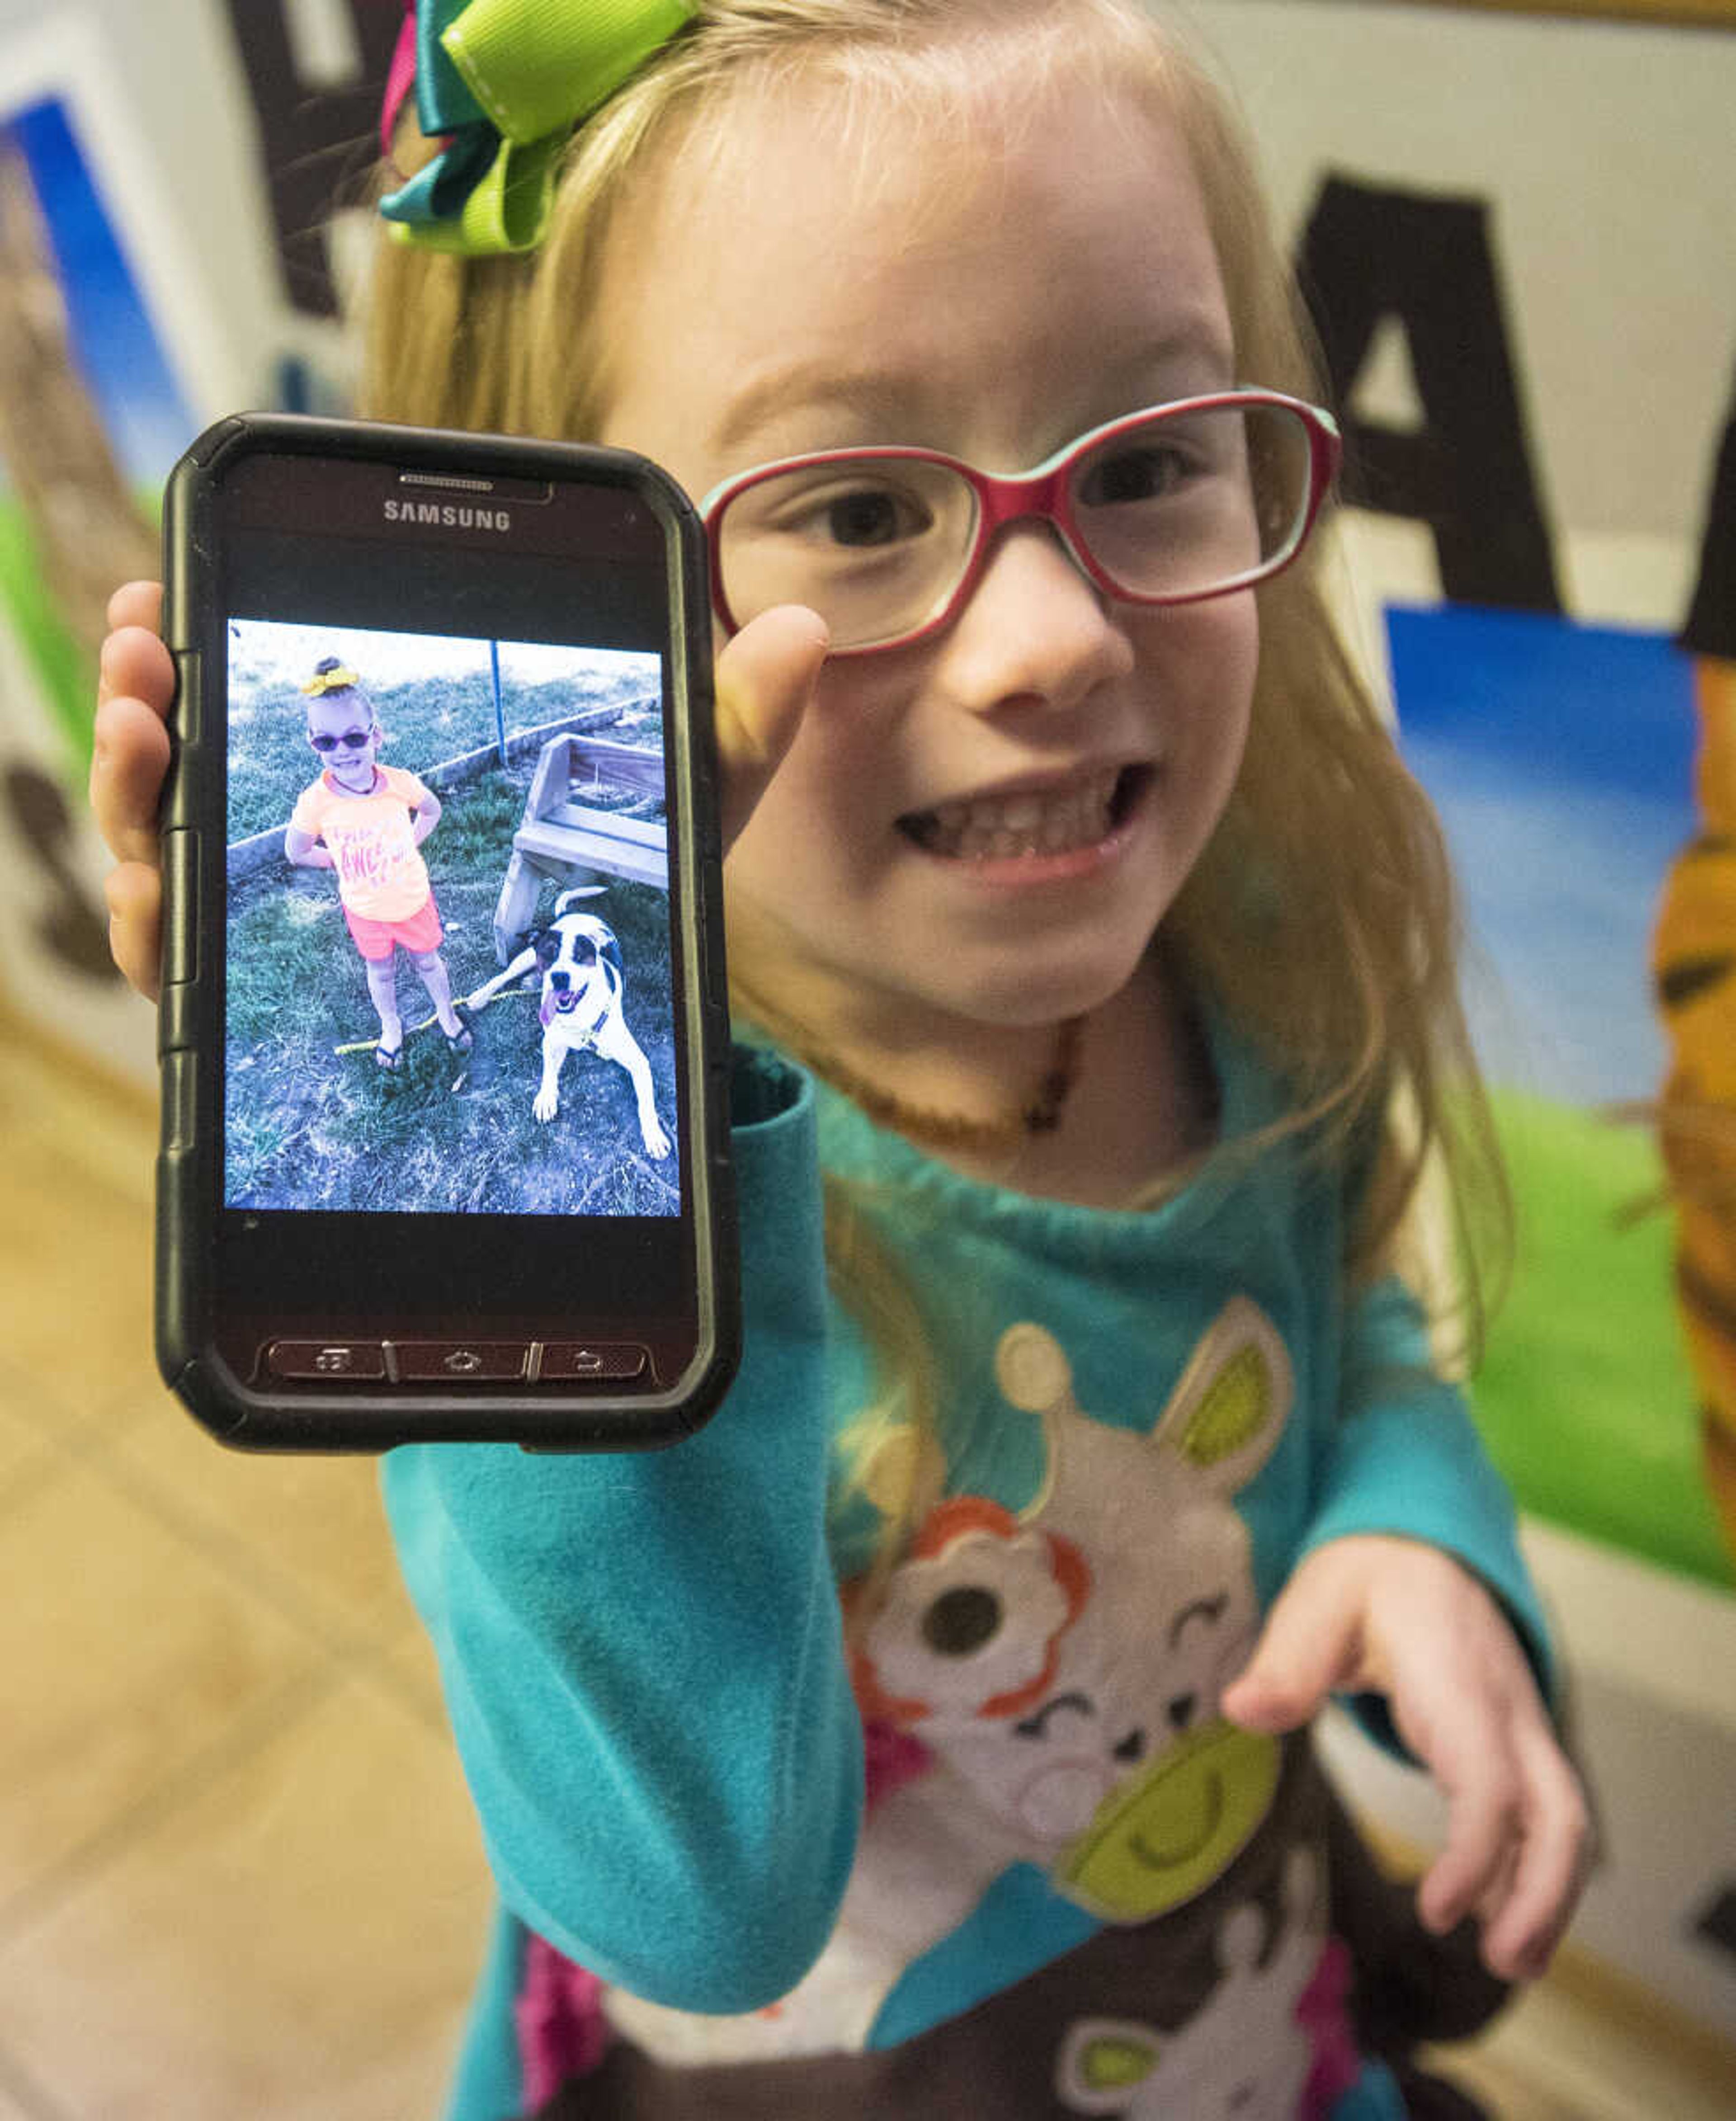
(545, 1012)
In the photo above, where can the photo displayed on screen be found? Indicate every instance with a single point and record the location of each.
(448, 981)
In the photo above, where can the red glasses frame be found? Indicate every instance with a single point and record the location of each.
(1044, 495)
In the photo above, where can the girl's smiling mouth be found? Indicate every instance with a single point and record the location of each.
(1032, 826)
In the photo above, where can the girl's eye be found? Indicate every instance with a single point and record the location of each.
(872, 515)
(843, 511)
(1144, 471)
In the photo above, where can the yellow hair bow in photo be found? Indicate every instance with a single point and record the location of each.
(337, 679)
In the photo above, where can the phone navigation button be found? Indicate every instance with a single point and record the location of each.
(570, 1360)
(460, 1362)
(326, 1359)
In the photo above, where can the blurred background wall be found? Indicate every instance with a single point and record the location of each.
(169, 254)
(1518, 235)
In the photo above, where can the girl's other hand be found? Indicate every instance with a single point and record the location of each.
(1393, 1616)
(765, 678)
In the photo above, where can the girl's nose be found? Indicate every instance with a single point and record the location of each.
(1034, 628)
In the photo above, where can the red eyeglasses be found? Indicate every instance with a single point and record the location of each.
(1169, 506)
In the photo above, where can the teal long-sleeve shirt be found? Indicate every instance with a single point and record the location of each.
(644, 1657)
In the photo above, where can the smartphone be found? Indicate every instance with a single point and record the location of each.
(444, 1033)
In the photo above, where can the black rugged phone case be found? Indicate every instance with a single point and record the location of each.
(250, 1416)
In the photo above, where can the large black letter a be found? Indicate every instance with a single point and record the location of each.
(1710, 626)
(1368, 254)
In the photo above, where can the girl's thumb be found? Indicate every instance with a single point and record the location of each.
(1308, 1648)
(765, 678)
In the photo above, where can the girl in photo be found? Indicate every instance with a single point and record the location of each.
(367, 822)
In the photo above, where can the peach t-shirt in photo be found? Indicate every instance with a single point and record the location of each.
(380, 874)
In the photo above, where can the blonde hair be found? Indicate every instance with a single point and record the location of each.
(1322, 916)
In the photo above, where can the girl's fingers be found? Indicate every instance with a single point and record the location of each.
(766, 677)
(136, 603)
(1526, 1920)
(1309, 1646)
(135, 895)
(135, 661)
(129, 761)
(1493, 1897)
(135, 689)
(1516, 1843)
(1486, 1817)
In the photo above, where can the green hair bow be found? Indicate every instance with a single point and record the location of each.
(503, 82)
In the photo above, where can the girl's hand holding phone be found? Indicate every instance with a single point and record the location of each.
(1407, 1621)
(765, 677)
(135, 687)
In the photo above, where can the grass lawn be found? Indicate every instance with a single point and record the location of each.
(1584, 1396)
(310, 1128)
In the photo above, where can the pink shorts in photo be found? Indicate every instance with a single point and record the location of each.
(419, 932)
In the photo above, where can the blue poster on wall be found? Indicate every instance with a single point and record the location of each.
(113, 343)
(1561, 759)
(92, 419)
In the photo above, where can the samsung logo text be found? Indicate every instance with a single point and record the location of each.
(448, 515)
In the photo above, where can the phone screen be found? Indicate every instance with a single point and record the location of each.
(453, 806)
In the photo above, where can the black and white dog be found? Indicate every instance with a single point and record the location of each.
(580, 961)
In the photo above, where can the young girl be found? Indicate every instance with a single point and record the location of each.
(928, 1736)
(367, 821)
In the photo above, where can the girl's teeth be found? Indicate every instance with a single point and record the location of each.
(999, 828)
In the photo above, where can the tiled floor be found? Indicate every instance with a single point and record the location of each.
(239, 1878)
(239, 1874)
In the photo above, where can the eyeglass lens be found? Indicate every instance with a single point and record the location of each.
(355, 739)
(1181, 505)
